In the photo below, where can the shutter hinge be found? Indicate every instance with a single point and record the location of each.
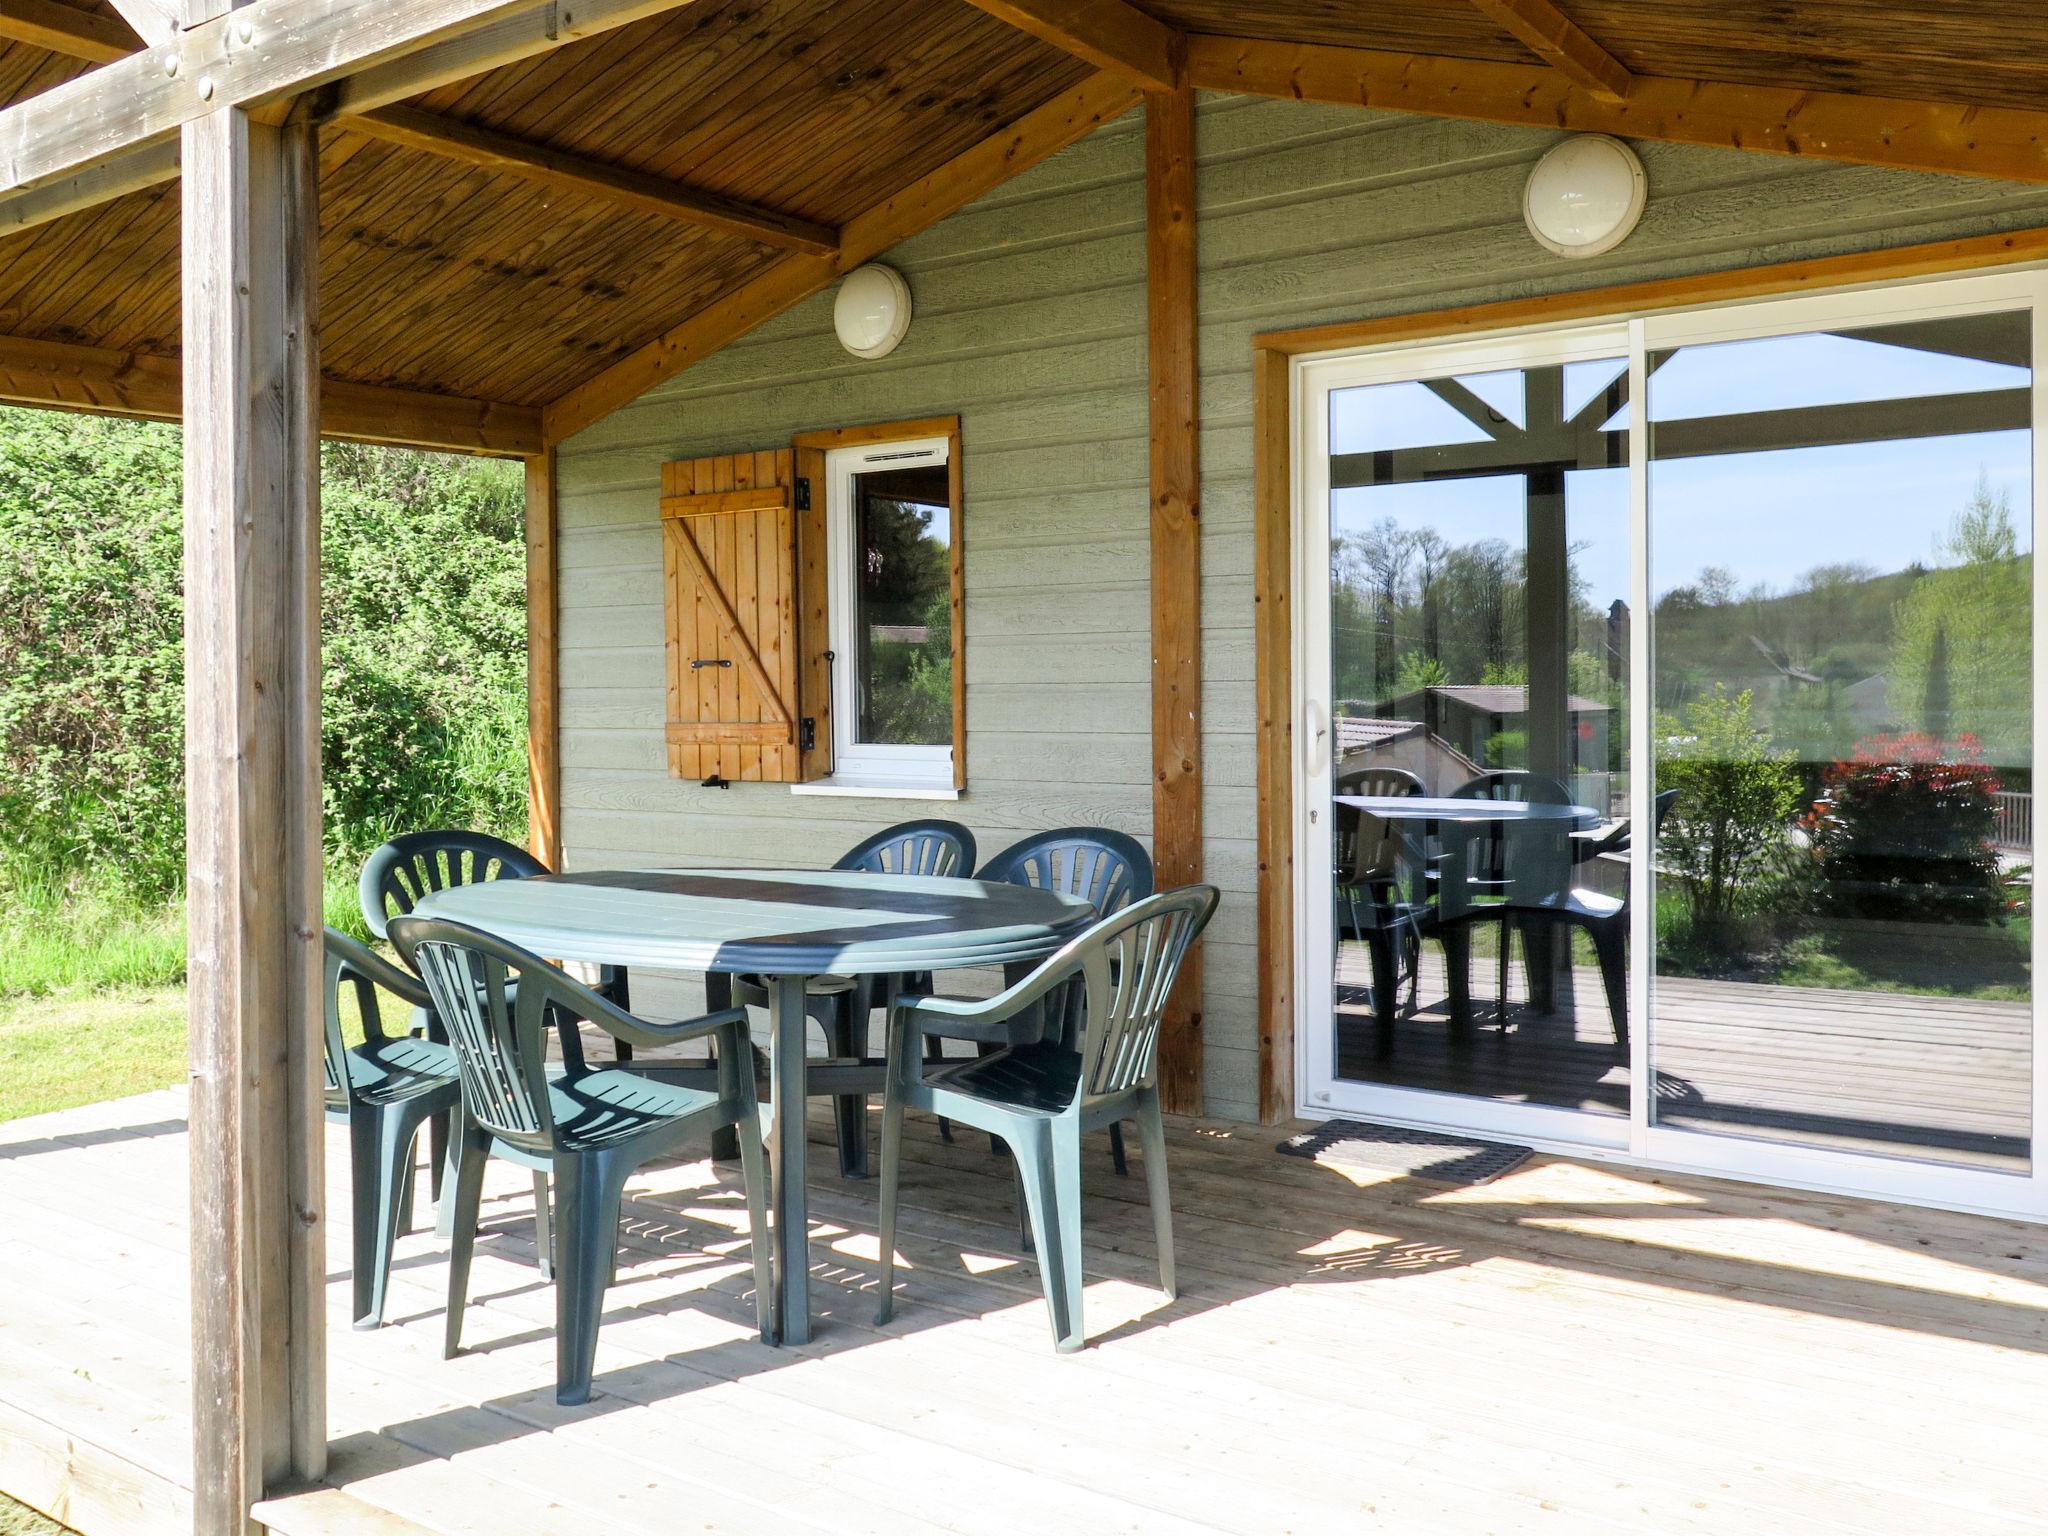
(800, 494)
(807, 734)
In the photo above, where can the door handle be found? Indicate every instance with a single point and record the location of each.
(1316, 723)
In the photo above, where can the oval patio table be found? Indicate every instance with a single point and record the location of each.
(788, 926)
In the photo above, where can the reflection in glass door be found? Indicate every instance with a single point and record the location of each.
(1667, 733)
(1478, 655)
(1841, 527)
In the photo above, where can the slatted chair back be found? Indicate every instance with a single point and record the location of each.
(1110, 870)
(401, 874)
(495, 1000)
(1127, 966)
(1517, 784)
(1369, 847)
(913, 848)
(349, 963)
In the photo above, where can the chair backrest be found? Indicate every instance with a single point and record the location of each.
(1108, 869)
(494, 999)
(353, 964)
(913, 848)
(398, 876)
(1125, 966)
(1368, 846)
(1517, 784)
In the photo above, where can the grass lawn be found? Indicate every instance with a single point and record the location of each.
(79, 1047)
(20, 1520)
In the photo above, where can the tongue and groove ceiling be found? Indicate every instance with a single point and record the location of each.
(441, 276)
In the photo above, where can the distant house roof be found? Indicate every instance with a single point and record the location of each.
(902, 634)
(1494, 699)
(1358, 732)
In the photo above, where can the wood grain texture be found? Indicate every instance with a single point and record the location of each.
(1172, 324)
(67, 29)
(543, 665)
(1109, 34)
(814, 610)
(1950, 138)
(1562, 44)
(253, 810)
(1273, 622)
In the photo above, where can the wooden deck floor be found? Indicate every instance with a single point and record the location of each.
(1570, 1349)
(1944, 1079)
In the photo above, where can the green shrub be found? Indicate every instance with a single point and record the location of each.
(1726, 835)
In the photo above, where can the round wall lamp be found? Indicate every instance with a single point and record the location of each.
(1585, 195)
(872, 312)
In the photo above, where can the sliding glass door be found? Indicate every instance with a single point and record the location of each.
(1715, 719)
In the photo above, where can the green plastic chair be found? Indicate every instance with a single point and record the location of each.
(587, 1127)
(385, 1089)
(1043, 1097)
(842, 1006)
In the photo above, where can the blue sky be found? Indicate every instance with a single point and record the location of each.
(1768, 517)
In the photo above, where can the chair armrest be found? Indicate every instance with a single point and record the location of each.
(621, 1025)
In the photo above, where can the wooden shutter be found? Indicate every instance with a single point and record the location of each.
(729, 581)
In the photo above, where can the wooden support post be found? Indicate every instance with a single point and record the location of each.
(1273, 640)
(1176, 555)
(543, 667)
(252, 671)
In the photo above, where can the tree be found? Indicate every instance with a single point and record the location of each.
(1726, 830)
(1966, 630)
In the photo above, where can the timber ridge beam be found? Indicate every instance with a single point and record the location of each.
(88, 35)
(54, 375)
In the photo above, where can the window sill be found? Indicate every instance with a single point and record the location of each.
(877, 789)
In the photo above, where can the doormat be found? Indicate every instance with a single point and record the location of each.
(1432, 1155)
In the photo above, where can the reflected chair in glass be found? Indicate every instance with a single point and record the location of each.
(1605, 921)
(1040, 1099)
(843, 1006)
(587, 1127)
(1487, 873)
(1367, 872)
(385, 1089)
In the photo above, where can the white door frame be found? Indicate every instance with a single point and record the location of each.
(1636, 1138)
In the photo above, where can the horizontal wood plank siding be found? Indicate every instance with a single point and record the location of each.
(1030, 323)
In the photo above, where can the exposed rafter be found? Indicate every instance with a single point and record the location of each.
(1109, 34)
(60, 376)
(65, 29)
(2003, 142)
(262, 55)
(924, 202)
(566, 172)
(156, 22)
(87, 35)
(1562, 44)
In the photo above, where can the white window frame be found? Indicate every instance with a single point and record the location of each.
(870, 768)
(1637, 1139)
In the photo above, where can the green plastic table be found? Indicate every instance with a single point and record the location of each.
(788, 926)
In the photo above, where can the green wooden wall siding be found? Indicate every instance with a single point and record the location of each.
(1030, 324)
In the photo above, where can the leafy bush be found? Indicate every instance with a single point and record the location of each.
(1725, 837)
(1903, 830)
(423, 618)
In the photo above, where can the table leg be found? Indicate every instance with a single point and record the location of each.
(725, 1142)
(786, 1159)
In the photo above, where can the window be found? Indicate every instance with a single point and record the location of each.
(890, 547)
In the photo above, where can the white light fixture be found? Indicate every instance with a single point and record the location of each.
(1585, 196)
(872, 311)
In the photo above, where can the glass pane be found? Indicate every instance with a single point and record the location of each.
(1842, 574)
(903, 597)
(1479, 653)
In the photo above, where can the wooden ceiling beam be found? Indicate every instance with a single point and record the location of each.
(65, 29)
(1951, 139)
(1062, 121)
(563, 172)
(1109, 34)
(100, 381)
(262, 56)
(1562, 44)
(156, 22)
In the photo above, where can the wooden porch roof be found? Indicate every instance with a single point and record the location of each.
(560, 233)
